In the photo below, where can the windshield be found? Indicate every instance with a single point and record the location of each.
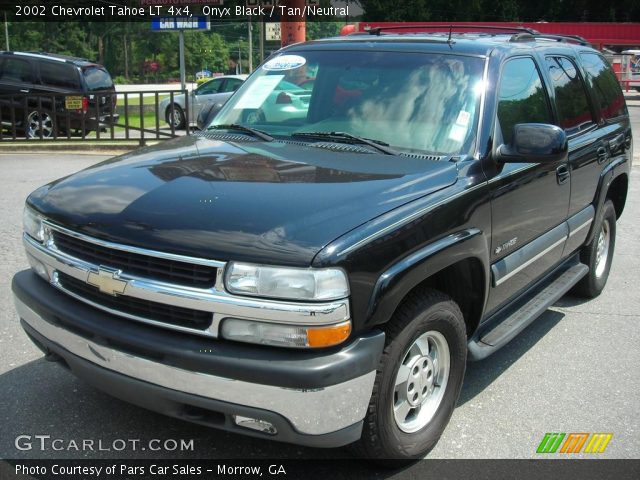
(414, 102)
(97, 79)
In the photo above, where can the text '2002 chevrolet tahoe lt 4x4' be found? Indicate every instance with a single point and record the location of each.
(363, 216)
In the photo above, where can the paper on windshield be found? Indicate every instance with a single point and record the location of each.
(258, 92)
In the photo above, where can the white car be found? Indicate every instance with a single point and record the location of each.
(218, 89)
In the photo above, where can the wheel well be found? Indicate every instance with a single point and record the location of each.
(617, 193)
(464, 282)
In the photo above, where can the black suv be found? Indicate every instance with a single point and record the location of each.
(318, 269)
(43, 95)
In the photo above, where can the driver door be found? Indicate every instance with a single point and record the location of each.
(529, 201)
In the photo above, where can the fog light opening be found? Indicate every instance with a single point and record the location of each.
(255, 424)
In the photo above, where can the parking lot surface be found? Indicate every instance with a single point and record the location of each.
(573, 370)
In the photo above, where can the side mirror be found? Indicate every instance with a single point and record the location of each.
(208, 113)
(534, 143)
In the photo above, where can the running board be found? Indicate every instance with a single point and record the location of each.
(507, 324)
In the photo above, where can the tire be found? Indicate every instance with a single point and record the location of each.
(598, 254)
(389, 432)
(39, 124)
(178, 120)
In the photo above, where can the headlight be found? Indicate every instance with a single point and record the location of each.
(290, 283)
(280, 335)
(32, 224)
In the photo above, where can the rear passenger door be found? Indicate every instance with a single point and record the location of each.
(588, 150)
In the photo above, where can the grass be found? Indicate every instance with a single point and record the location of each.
(134, 121)
(135, 99)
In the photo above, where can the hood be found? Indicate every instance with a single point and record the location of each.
(209, 196)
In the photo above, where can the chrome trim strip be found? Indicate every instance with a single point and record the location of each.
(220, 303)
(139, 251)
(577, 229)
(518, 269)
(310, 411)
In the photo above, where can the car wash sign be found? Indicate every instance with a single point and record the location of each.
(161, 24)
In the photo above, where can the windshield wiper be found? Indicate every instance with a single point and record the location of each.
(236, 126)
(349, 138)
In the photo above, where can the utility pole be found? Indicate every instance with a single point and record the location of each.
(239, 58)
(183, 72)
(250, 48)
(261, 40)
(6, 33)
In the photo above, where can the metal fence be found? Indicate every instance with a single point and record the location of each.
(128, 116)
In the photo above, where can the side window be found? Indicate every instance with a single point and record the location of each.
(16, 70)
(521, 98)
(212, 86)
(605, 85)
(571, 97)
(231, 85)
(60, 75)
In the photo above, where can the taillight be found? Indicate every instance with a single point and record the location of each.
(283, 98)
(85, 104)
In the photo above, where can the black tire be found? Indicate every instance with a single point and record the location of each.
(594, 282)
(39, 124)
(179, 119)
(422, 313)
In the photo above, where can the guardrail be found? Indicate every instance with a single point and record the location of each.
(99, 116)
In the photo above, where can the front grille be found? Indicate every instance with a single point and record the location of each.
(146, 266)
(160, 312)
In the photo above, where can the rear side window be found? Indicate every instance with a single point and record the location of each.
(16, 70)
(232, 84)
(60, 75)
(605, 85)
(574, 113)
(97, 78)
(522, 98)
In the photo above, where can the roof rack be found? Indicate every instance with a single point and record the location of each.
(563, 38)
(450, 28)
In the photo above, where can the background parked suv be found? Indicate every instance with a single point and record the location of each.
(42, 95)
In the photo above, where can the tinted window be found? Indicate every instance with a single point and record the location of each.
(97, 79)
(16, 70)
(522, 98)
(210, 87)
(232, 84)
(60, 75)
(571, 98)
(605, 84)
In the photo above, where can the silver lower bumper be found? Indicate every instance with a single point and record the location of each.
(310, 411)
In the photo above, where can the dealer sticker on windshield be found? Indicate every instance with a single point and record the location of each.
(285, 62)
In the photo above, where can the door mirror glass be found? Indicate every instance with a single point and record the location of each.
(534, 143)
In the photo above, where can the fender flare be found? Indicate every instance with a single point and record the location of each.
(399, 279)
(618, 167)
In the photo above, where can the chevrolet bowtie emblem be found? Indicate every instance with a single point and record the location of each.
(107, 281)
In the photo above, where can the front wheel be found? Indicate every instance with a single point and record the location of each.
(418, 380)
(598, 255)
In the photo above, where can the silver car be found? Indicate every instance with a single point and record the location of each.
(218, 89)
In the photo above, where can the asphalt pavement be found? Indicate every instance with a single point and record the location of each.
(575, 369)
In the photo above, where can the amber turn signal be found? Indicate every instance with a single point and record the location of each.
(328, 336)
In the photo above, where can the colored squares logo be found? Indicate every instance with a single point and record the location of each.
(574, 442)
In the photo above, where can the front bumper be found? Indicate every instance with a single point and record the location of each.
(311, 398)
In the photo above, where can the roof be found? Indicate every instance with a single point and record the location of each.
(472, 43)
(81, 62)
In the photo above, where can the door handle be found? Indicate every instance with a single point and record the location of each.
(562, 174)
(24, 91)
(602, 154)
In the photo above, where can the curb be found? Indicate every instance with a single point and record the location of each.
(90, 149)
